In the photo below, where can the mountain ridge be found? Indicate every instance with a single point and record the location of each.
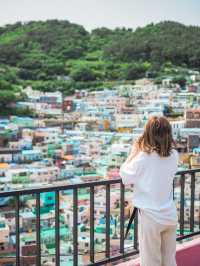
(57, 54)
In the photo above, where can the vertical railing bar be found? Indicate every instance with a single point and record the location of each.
(108, 220)
(182, 204)
(92, 224)
(17, 224)
(121, 218)
(199, 213)
(75, 227)
(136, 231)
(57, 227)
(192, 202)
(38, 242)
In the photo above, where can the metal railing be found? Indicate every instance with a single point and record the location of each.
(184, 180)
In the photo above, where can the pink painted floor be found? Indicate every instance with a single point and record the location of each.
(188, 254)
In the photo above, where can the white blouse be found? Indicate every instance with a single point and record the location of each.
(152, 177)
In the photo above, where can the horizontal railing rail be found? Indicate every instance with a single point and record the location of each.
(183, 178)
(51, 188)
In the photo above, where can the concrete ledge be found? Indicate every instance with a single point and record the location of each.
(188, 254)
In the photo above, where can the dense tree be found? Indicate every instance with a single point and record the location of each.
(165, 41)
(38, 53)
(6, 97)
(181, 80)
(4, 85)
(83, 73)
(135, 71)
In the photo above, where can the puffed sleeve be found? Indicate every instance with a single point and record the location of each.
(130, 171)
(175, 160)
(176, 156)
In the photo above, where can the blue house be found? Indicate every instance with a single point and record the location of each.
(31, 155)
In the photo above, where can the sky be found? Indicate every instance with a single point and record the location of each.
(102, 13)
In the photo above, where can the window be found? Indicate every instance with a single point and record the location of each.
(197, 115)
(189, 115)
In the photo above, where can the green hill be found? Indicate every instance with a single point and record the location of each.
(61, 55)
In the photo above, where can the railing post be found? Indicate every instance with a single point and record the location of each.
(92, 224)
(121, 218)
(57, 227)
(182, 204)
(17, 224)
(135, 244)
(199, 214)
(192, 202)
(38, 242)
(108, 220)
(75, 227)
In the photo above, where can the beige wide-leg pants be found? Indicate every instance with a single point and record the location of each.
(157, 242)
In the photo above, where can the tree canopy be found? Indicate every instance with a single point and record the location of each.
(61, 55)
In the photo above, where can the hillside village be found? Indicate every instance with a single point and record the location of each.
(82, 138)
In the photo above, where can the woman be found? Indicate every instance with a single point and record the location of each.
(151, 167)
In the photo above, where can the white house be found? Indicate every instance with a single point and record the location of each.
(177, 125)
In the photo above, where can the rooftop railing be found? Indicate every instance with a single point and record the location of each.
(186, 194)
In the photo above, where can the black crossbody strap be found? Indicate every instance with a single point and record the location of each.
(131, 221)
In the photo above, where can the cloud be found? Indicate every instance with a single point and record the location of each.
(98, 13)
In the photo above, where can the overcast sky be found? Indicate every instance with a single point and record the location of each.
(99, 13)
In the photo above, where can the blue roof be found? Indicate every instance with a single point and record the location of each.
(24, 118)
(27, 214)
(24, 152)
(4, 121)
(196, 149)
(4, 201)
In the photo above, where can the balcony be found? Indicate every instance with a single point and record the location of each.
(65, 247)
